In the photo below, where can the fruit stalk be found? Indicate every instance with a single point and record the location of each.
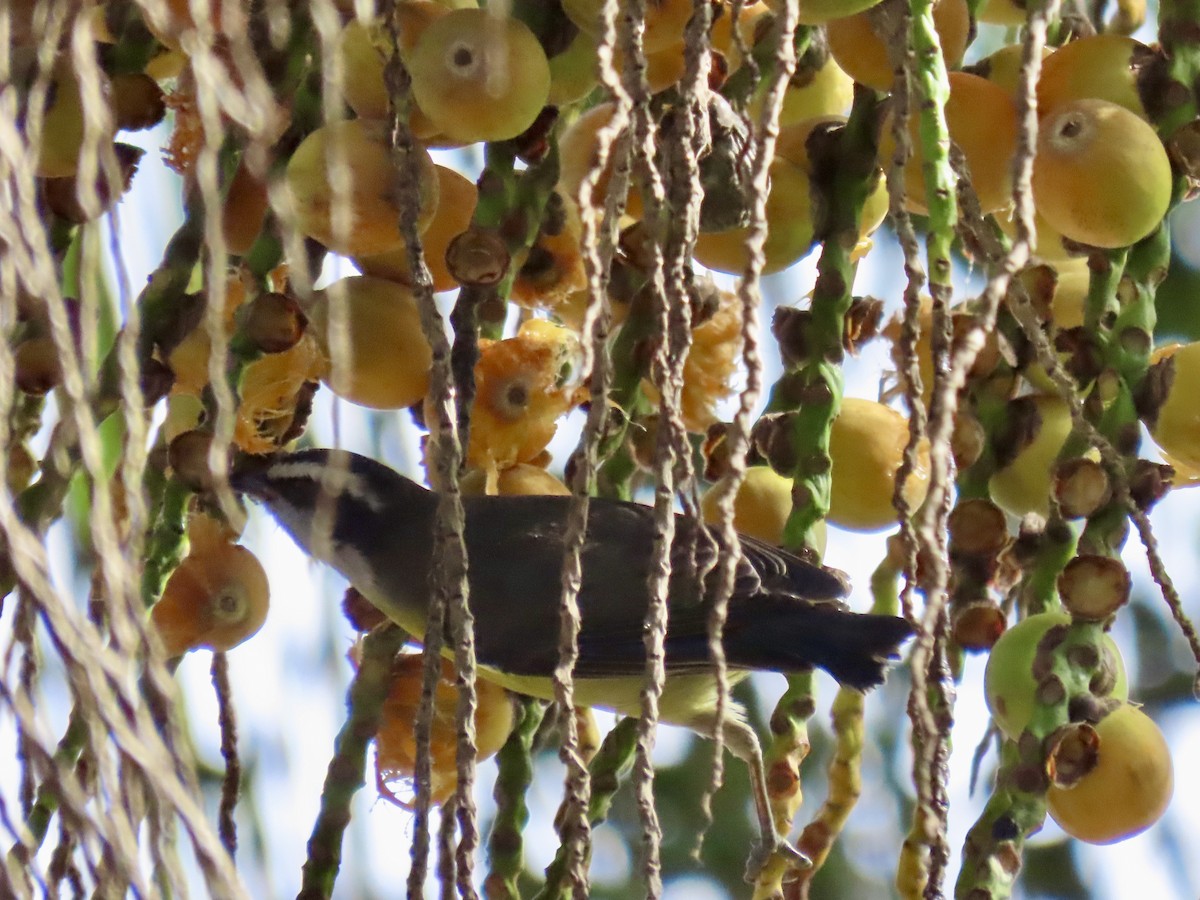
(345, 774)
(449, 580)
(1017, 807)
(849, 731)
(231, 782)
(789, 747)
(809, 394)
(1053, 548)
(165, 541)
(1176, 31)
(46, 802)
(611, 764)
(925, 849)
(514, 764)
(513, 203)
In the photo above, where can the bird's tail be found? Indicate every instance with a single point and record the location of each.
(786, 635)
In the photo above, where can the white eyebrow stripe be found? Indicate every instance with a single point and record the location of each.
(333, 476)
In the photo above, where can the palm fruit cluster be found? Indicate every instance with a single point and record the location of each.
(363, 152)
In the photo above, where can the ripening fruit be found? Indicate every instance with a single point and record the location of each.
(386, 357)
(551, 270)
(1099, 66)
(457, 196)
(710, 366)
(792, 145)
(1047, 243)
(664, 68)
(1004, 67)
(985, 362)
(274, 391)
(863, 56)
(216, 598)
(573, 71)
(244, 210)
(1023, 485)
(523, 385)
(1101, 175)
(364, 52)
(521, 480)
(1128, 790)
(166, 65)
(365, 48)
(762, 505)
(395, 740)
(207, 534)
(827, 91)
(1010, 13)
(923, 350)
(188, 360)
(1065, 300)
(1009, 684)
(761, 508)
(666, 20)
(1184, 475)
(866, 445)
(1070, 294)
(982, 119)
(789, 227)
(1177, 427)
(185, 412)
(818, 12)
(22, 466)
(137, 101)
(375, 188)
(62, 132)
(479, 76)
(61, 196)
(37, 368)
(579, 152)
(722, 30)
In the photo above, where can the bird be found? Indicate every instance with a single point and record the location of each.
(376, 527)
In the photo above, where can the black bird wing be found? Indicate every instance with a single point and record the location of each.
(515, 551)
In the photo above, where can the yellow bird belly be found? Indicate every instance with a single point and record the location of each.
(687, 700)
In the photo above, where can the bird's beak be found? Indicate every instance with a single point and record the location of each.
(249, 475)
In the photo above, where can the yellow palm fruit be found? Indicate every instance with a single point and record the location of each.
(387, 359)
(1022, 486)
(479, 76)
(1101, 175)
(216, 598)
(395, 740)
(375, 188)
(761, 508)
(863, 56)
(866, 444)
(523, 385)
(1176, 428)
(1098, 66)
(1128, 790)
(457, 196)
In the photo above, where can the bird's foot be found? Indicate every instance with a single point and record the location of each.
(776, 857)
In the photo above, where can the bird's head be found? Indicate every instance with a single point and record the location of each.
(337, 505)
